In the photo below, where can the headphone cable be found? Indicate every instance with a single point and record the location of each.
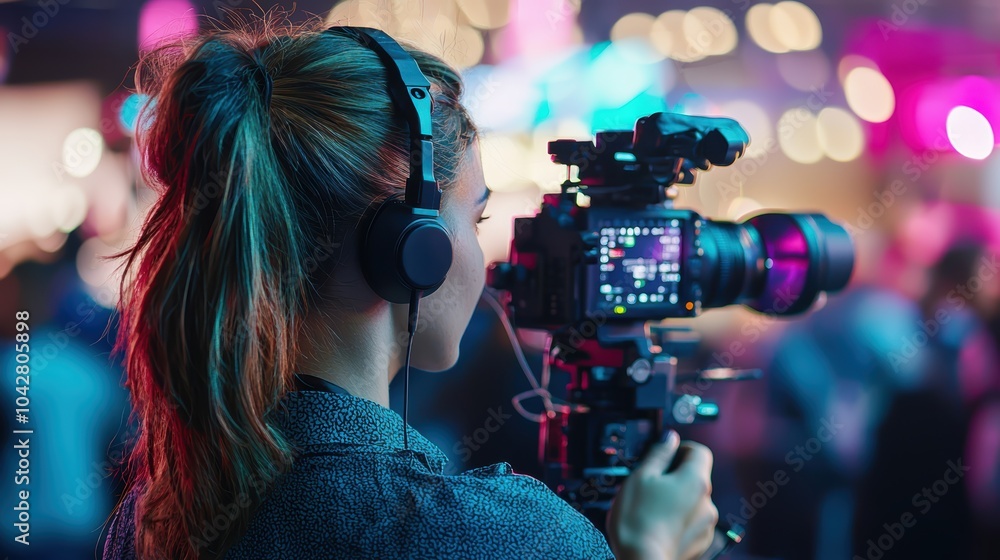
(411, 327)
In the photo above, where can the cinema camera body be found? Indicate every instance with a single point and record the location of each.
(609, 254)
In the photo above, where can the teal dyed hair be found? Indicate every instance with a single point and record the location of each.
(255, 196)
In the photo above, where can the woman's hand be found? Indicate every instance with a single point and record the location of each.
(665, 516)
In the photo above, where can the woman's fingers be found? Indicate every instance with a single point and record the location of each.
(660, 456)
(696, 468)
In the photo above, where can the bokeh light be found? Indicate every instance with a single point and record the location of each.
(795, 26)
(758, 22)
(461, 46)
(615, 77)
(668, 36)
(709, 31)
(798, 136)
(852, 61)
(783, 27)
(742, 206)
(505, 161)
(363, 14)
(81, 152)
(970, 133)
(129, 112)
(469, 47)
(631, 35)
(68, 207)
(839, 134)
(754, 119)
(501, 97)
(485, 14)
(869, 94)
(101, 275)
(4, 55)
(631, 26)
(163, 20)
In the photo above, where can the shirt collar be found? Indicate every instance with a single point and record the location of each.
(315, 419)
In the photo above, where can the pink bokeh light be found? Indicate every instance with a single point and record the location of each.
(162, 20)
(931, 102)
(537, 26)
(932, 70)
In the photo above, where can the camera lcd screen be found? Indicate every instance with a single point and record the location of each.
(640, 265)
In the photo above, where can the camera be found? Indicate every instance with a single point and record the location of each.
(609, 255)
(629, 256)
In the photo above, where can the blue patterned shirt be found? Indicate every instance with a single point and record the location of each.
(354, 492)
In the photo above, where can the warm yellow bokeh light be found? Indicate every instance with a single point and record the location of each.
(840, 134)
(742, 206)
(668, 37)
(795, 26)
(632, 25)
(461, 46)
(362, 14)
(485, 14)
(631, 34)
(468, 49)
(852, 61)
(869, 94)
(785, 26)
(759, 26)
(798, 136)
(710, 31)
(505, 161)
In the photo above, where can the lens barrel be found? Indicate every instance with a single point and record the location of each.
(774, 263)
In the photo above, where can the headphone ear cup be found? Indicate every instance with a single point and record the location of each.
(404, 251)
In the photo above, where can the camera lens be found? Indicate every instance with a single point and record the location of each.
(774, 263)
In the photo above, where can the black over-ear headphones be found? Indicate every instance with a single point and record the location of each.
(404, 247)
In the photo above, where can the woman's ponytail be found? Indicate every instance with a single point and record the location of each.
(211, 333)
(266, 145)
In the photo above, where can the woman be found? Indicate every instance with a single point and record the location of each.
(259, 359)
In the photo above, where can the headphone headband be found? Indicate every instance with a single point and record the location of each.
(411, 95)
(405, 248)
